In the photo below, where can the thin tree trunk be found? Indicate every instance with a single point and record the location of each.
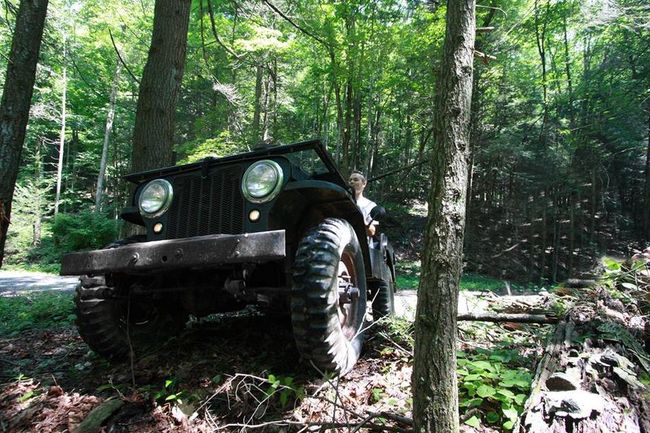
(434, 384)
(59, 169)
(540, 38)
(646, 207)
(572, 232)
(110, 116)
(258, 103)
(38, 207)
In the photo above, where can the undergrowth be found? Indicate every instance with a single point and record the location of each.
(39, 310)
(408, 278)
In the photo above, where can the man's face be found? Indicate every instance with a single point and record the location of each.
(357, 182)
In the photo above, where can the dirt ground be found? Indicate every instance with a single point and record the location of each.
(242, 372)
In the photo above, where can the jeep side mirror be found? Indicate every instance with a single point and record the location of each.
(377, 213)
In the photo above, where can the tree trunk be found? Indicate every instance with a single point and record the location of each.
(434, 384)
(16, 99)
(540, 38)
(59, 168)
(110, 116)
(646, 208)
(258, 104)
(153, 135)
(38, 207)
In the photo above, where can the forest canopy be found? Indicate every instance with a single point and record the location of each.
(559, 134)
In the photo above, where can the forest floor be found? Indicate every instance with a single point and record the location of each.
(243, 373)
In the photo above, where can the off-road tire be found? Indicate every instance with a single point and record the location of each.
(383, 302)
(98, 318)
(102, 315)
(315, 308)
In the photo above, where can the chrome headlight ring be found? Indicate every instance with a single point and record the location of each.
(262, 181)
(155, 198)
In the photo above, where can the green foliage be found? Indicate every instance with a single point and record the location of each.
(284, 389)
(83, 230)
(408, 274)
(488, 381)
(169, 393)
(38, 310)
(408, 278)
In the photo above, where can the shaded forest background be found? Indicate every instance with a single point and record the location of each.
(560, 115)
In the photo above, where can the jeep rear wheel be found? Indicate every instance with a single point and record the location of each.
(328, 297)
(383, 302)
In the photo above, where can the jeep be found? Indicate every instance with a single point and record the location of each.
(276, 227)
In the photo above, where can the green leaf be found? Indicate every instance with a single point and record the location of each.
(508, 425)
(511, 414)
(492, 417)
(506, 393)
(472, 377)
(481, 365)
(284, 397)
(168, 383)
(485, 391)
(473, 422)
(472, 402)
(520, 399)
(26, 396)
(630, 286)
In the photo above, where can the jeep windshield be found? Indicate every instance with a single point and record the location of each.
(310, 156)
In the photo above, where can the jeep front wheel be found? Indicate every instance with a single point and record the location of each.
(107, 320)
(328, 297)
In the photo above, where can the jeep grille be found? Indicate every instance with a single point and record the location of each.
(207, 205)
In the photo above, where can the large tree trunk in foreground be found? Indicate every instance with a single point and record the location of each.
(153, 136)
(16, 99)
(435, 391)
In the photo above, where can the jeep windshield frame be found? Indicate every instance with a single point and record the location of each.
(314, 161)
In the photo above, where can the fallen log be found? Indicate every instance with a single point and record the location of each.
(583, 385)
(504, 317)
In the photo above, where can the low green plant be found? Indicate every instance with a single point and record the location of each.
(169, 393)
(490, 383)
(408, 274)
(620, 278)
(37, 310)
(284, 388)
(408, 278)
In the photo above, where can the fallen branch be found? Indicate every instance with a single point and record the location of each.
(502, 317)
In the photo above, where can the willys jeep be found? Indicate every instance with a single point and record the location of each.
(276, 227)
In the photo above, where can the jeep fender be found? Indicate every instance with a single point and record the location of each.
(304, 204)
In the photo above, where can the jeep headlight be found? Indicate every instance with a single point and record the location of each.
(155, 198)
(262, 181)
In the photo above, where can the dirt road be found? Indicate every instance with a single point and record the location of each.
(20, 282)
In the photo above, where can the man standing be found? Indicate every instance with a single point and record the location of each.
(358, 183)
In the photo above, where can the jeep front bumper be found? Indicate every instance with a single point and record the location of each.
(200, 251)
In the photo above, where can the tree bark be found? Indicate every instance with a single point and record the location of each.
(434, 384)
(646, 208)
(259, 70)
(16, 100)
(59, 167)
(153, 135)
(110, 116)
